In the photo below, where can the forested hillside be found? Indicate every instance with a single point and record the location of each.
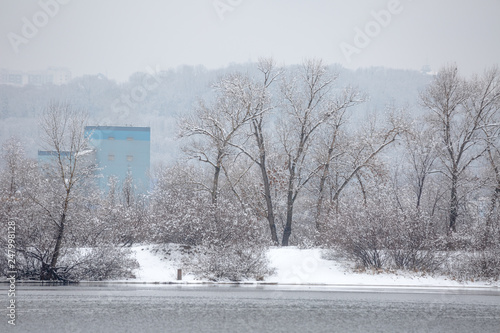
(158, 98)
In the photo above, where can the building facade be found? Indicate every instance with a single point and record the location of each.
(52, 75)
(121, 152)
(46, 156)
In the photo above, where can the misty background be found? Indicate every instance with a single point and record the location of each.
(111, 46)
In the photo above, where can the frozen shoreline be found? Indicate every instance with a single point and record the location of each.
(295, 267)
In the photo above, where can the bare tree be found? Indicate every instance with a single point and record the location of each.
(420, 146)
(267, 68)
(458, 109)
(333, 147)
(309, 104)
(63, 137)
(217, 125)
(359, 164)
(257, 99)
(489, 96)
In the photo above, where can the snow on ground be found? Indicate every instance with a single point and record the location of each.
(156, 265)
(152, 266)
(306, 266)
(293, 266)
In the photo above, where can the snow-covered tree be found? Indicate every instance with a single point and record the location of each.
(215, 126)
(459, 110)
(63, 136)
(309, 103)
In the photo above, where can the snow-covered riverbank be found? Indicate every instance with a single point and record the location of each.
(293, 266)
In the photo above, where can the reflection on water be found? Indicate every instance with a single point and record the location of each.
(146, 308)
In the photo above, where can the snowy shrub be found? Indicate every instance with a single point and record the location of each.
(412, 243)
(98, 264)
(178, 210)
(92, 264)
(483, 265)
(123, 215)
(230, 242)
(477, 254)
(475, 265)
(27, 266)
(380, 233)
(359, 234)
(234, 263)
(233, 245)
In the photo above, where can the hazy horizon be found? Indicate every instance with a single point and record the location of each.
(118, 38)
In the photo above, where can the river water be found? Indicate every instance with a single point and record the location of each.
(165, 308)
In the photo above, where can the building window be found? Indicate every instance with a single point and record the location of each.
(129, 138)
(111, 137)
(111, 157)
(130, 158)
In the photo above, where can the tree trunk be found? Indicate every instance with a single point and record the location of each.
(215, 185)
(57, 248)
(420, 188)
(269, 203)
(288, 227)
(48, 271)
(319, 205)
(321, 194)
(289, 212)
(453, 204)
(259, 138)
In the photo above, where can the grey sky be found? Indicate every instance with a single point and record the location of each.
(119, 37)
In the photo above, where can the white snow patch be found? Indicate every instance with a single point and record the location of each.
(306, 266)
(293, 266)
(152, 267)
(157, 267)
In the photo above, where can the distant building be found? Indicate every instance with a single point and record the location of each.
(67, 158)
(52, 75)
(15, 78)
(117, 152)
(46, 156)
(121, 152)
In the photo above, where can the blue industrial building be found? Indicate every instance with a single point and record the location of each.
(47, 156)
(121, 151)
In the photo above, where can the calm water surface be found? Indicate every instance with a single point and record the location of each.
(160, 308)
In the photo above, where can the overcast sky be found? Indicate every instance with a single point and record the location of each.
(119, 37)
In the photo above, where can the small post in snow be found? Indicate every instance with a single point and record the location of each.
(179, 274)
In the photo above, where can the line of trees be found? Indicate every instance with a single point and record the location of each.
(291, 127)
(396, 189)
(274, 158)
